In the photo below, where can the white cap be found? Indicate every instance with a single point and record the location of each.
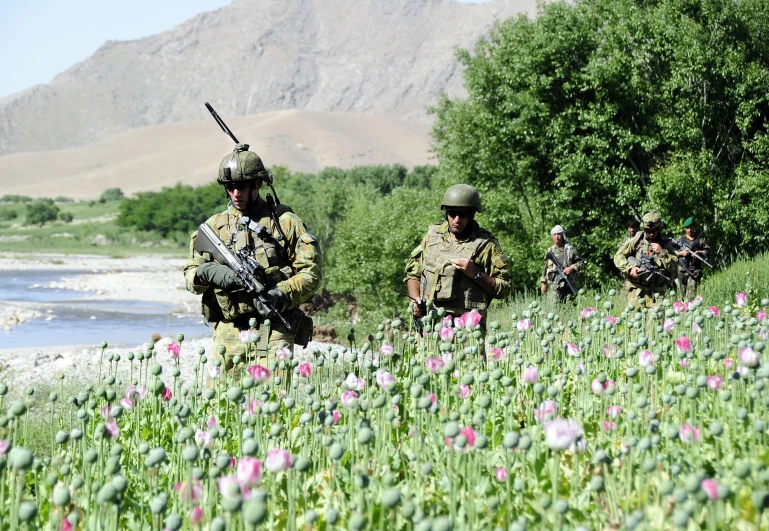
(557, 230)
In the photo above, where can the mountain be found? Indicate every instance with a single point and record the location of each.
(382, 57)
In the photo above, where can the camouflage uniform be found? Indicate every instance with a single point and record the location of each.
(449, 288)
(643, 288)
(293, 266)
(568, 256)
(690, 282)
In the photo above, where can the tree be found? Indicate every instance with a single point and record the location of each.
(601, 109)
(41, 212)
(66, 217)
(111, 194)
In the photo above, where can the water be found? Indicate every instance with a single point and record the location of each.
(86, 322)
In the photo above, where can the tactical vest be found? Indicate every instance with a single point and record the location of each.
(444, 284)
(267, 252)
(642, 247)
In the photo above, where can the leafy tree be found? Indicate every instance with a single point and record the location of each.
(66, 217)
(604, 108)
(41, 212)
(8, 214)
(12, 198)
(111, 194)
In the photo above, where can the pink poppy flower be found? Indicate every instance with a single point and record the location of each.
(349, 398)
(214, 371)
(189, 492)
(609, 426)
(684, 344)
(530, 375)
(277, 460)
(354, 383)
(432, 397)
(599, 388)
(611, 319)
(689, 434)
(447, 334)
(203, 439)
(714, 310)
(523, 325)
(497, 353)
(196, 515)
(305, 370)
(229, 486)
(761, 315)
(173, 349)
(249, 472)
(167, 394)
(105, 412)
(728, 363)
(459, 322)
(501, 474)
(211, 422)
(560, 434)
(548, 407)
(469, 434)
(336, 416)
(387, 350)
(259, 373)
(127, 404)
(283, 354)
(587, 313)
(434, 365)
(446, 357)
(113, 429)
(384, 379)
(134, 393)
(748, 356)
(65, 525)
(645, 358)
(715, 382)
(669, 325)
(613, 411)
(710, 487)
(679, 307)
(464, 391)
(247, 336)
(609, 351)
(697, 329)
(741, 299)
(684, 363)
(471, 319)
(448, 321)
(572, 349)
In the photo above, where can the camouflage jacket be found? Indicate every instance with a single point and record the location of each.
(293, 266)
(639, 246)
(568, 256)
(699, 244)
(430, 265)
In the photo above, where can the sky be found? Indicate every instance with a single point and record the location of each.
(41, 38)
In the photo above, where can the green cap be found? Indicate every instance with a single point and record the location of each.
(689, 222)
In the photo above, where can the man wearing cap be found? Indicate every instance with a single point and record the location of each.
(689, 268)
(459, 266)
(570, 261)
(649, 247)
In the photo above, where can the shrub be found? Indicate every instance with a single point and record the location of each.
(41, 212)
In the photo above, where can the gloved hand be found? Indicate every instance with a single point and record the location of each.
(276, 298)
(219, 275)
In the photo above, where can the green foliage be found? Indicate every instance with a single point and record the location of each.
(374, 241)
(41, 212)
(8, 214)
(12, 198)
(62, 199)
(111, 194)
(179, 209)
(600, 109)
(66, 217)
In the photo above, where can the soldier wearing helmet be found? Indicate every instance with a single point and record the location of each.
(647, 243)
(459, 266)
(571, 262)
(692, 241)
(278, 241)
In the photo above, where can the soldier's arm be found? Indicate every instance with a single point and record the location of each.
(191, 282)
(668, 255)
(306, 259)
(415, 262)
(496, 266)
(576, 260)
(620, 258)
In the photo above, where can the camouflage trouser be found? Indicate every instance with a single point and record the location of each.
(688, 285)
(557, 293)
(637, 294)
(227, 335)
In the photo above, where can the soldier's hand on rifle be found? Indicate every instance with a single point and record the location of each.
(466, 266)
(682, 252)
(416, 306)
(277, 299)
(656, 247)
(568, 270)
(634, 272)
(219, 275)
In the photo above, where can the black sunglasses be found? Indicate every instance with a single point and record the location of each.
(238, 185)
(458, 213)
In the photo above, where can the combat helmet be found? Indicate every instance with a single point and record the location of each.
(242, 165)
(651, 221)
(461, 196)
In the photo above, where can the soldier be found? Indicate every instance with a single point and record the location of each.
(289, 254)
(689, 268)
(633, 225)
(656, 259)
(459, 266)
(570, 261)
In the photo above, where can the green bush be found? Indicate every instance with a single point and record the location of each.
(41, 212)
(62, 199)
(8, 214)
(66, 217)
(10, 198)
(111, 194)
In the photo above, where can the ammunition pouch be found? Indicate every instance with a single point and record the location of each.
(304, 328)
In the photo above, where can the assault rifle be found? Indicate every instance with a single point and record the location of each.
(647, 266)
(560, 275)
(681, 245)
(246, 268)
(422, 305)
